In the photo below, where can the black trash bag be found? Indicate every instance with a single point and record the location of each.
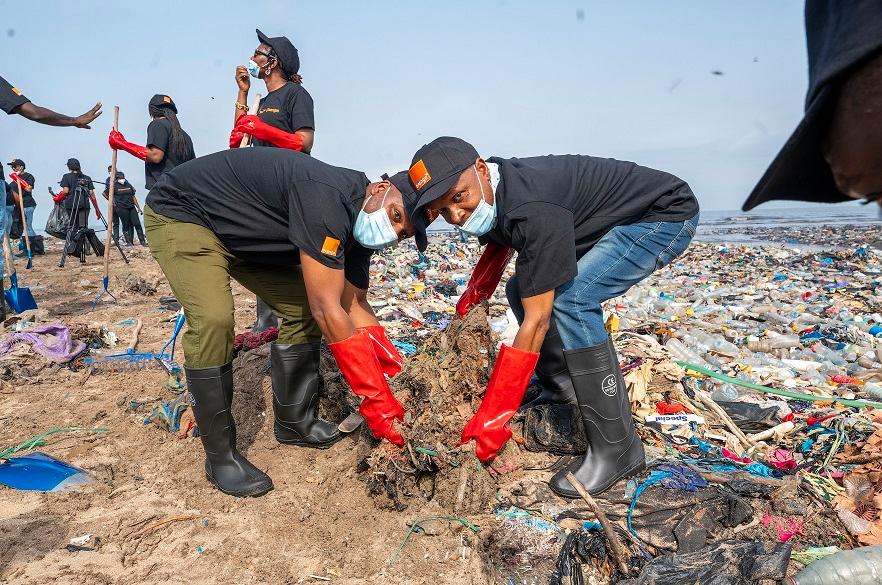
(58, 221)
(730, 562)
(745, 487)
(579, 547)
(17, 228)
(749, 417)
(555, 428)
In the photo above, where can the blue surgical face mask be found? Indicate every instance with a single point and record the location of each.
(483, 218)
(253, 69)
(374, 230)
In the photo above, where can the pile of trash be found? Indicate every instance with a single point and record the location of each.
(755, 384)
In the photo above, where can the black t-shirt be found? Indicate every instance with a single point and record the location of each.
(10, 97)
(27, 196)
(267, 204)
(74, 182)
(158, 135)
(553, 209)
(289, 108)
(123, 195)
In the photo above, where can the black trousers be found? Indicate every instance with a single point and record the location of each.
(130, 224)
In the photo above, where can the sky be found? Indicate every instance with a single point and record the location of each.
(708, 91)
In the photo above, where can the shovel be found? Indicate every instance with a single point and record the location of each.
(20, 299)
(24, 222)
(109, 240)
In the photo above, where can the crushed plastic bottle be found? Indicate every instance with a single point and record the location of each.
(860, 566)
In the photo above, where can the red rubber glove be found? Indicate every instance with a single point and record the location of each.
(21, 182)
(59, 197)
(236, 138)
(508, 383)
(257, 128)
(359, 366)
(390, 360)
(118, 142)
(485, 277)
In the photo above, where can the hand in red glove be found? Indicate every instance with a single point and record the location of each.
(97, 209)
(59, 197)
(23, 185)
(118, 142)
(359, 366)
(236, 138)
(485, 277)
(506, 389)
(390, 360)
(257, 128)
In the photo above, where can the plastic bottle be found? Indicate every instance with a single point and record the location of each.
(726, 393)
(772, 343)
(861, 566)
(684, 354)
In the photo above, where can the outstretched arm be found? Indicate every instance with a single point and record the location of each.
(31, 111)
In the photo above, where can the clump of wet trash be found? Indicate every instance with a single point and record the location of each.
(756, 383)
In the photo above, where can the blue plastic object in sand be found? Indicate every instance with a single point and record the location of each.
(141, 360)
(42, 473)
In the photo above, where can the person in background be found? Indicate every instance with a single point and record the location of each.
(586, 229)
(168, 145)
(126, 208)
(12, 101)
(285, 116)
(117, 221)
(4, 227)
(77, 190)
(21, 179)
(835, 153)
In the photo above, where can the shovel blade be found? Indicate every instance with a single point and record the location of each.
(20, 299)
(350, 423)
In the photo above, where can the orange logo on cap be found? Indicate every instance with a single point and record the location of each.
(330, 246)
(16, 91)
(166, 99)
(419, 174)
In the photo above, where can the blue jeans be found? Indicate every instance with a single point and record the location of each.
(623, 257)
(29, 215)
(10, 209)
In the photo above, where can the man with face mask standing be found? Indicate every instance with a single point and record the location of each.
(585, 229)
(299, 233)
(285, 116)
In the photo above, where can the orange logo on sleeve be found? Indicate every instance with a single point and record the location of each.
(330, 246)
(419, 174)
(16, 91)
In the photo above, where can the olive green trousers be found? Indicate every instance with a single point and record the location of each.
(199, 267)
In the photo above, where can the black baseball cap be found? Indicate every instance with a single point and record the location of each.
(16, 162)
(411, 199)
(840, 36)
(72, 162)
(436, 167)
(161, 100)
(289, 59)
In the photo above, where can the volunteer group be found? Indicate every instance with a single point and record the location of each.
(299, 234)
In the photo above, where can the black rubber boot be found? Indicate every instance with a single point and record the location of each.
(552, 374)
(265, 317)
(295, 375)
(225, 467)
(614, 447)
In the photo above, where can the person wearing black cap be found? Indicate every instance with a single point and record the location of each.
(835, 153)
(285, 117)
(299, 233)
(126, 209)
(76, 191)
(586, 229)
(23, 181)
(13, 101)
(168, 145)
